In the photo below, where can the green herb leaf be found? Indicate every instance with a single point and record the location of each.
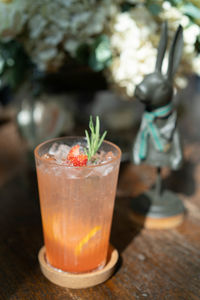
(94, 140)
(102, 138)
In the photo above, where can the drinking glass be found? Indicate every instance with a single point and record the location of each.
(76, 207)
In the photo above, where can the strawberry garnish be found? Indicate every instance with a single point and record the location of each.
(80, 160)
(74, 151)
(76, 157)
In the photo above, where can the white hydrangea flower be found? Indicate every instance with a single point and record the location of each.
(134, 39)
(55, 27)
(12, 18)
(196, 65)
(191, 33)
(134, 53)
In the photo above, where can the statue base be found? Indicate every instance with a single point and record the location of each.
(153, 212)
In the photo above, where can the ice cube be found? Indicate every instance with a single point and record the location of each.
(62, 152)
(101, 170)
(105, 157)
(109, 155)
(59, 152)
(105, 170)
(53, 149)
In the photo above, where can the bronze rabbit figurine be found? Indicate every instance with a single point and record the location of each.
(157, 142)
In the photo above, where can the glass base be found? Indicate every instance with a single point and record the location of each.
(100, 267)
(81, 280)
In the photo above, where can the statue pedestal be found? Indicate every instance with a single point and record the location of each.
(152, 212)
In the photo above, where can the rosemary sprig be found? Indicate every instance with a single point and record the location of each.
(94, 141)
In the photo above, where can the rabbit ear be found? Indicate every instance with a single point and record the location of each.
(175, 53)
(162, 47)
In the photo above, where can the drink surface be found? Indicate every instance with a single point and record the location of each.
(77, 207)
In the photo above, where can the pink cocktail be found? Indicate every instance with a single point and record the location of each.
(77, 206)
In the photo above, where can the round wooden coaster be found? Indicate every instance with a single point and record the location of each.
(158, 223)
(77, 281)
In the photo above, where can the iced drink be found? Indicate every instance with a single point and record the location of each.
(76, 204)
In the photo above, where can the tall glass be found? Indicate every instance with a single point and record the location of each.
(76, 207)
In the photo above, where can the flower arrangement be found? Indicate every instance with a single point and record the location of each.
(118, 37)
(134, 38)
(51, 30)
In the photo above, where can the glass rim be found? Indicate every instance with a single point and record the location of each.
(42, 159)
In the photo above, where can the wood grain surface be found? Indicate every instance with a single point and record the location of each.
(154, 264)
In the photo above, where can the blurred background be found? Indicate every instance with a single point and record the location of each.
(62, 61)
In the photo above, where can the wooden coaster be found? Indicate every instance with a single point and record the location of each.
(77, 281)
(158, 223)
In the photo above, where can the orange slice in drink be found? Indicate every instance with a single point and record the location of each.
(86, 239)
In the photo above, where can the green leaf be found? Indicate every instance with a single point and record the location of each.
(102, 138)
(154, 8)
(97, 129)
(91, 126)
(88, 140)
(176, 2)
(97, 55)
(191, 10)
(100, 55)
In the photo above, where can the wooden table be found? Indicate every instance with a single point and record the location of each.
(154, 264)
